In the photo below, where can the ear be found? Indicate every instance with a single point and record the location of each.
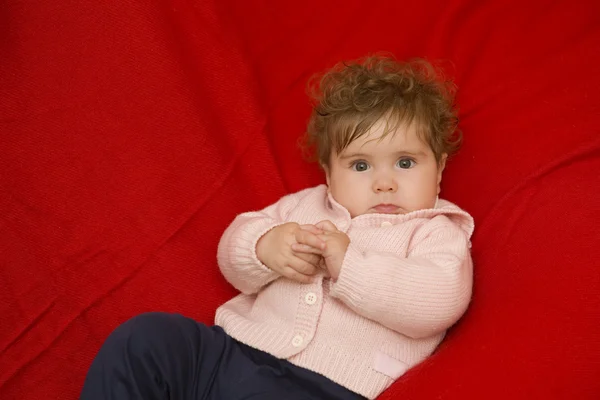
(441, 166)
(326, 169)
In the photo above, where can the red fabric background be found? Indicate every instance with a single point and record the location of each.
(131, 133)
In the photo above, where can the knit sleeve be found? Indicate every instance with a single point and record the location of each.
(419, 295)
(236, 254)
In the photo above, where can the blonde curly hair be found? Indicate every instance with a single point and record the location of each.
(352, 96)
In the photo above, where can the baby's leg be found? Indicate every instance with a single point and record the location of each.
(156, 356)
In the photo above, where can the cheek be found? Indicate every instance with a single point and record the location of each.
(357, 185)
(349, 188)
(425, 185)
(341, 178)
(343, 183)
(430, 189)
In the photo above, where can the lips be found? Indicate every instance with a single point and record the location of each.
(386, 208)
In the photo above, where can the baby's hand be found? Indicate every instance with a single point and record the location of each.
(306, 235)
(336, 244)
(274, 249)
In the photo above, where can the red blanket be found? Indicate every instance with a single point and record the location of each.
(131, 133)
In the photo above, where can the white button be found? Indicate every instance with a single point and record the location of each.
(310, 298)
(297, 341)
(386, 223)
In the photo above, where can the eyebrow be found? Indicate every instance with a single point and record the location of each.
(398, 153)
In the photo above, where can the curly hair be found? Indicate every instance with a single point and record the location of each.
(352, 96)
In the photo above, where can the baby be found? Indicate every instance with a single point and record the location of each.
(344, 286)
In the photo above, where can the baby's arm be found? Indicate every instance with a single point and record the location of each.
(420, 295)
(236, 253)
(256, 248)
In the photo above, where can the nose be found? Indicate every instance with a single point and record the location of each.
(385, 183)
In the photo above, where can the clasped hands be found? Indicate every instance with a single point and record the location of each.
(299, 252)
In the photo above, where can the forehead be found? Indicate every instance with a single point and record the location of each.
(387, 138)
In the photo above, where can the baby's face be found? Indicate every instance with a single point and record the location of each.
(394, 176)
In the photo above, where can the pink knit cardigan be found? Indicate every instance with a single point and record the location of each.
(405, 279)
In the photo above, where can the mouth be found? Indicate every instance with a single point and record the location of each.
(386, 209)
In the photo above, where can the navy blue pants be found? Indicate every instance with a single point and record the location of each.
(167, 356)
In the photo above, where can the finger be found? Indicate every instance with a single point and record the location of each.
(304, 248)
(311, 228)
(327, 238)
(327, 226)
(310, 257)
(294, 275)
(301, 266)
(309, 239)
(314, 259)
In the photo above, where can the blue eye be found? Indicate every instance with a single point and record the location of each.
(406, 163)
(360, 166)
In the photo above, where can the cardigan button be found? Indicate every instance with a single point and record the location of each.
(385, 224)
(310, 298)
(297, 341)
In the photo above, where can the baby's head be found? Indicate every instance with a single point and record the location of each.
(382, 131)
